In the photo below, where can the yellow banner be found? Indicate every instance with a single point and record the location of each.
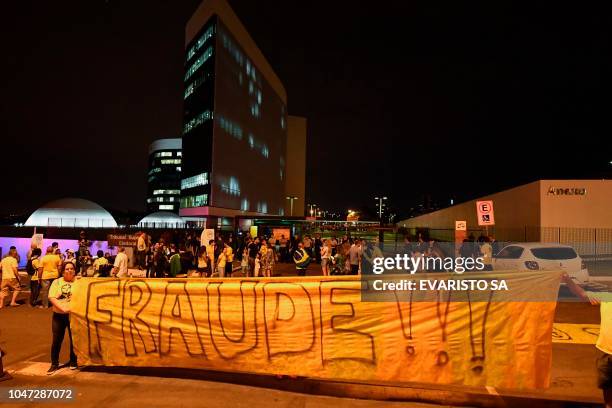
(315, 327)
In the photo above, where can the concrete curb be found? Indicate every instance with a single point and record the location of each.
(382, 391)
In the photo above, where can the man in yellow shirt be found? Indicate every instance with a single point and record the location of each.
(10, 278)
(100, 261)
(36, 277)
(604, 341)
(50, 264)
(210, 253)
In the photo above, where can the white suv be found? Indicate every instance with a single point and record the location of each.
(541, 256)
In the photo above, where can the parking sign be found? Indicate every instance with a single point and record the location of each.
(484, 210)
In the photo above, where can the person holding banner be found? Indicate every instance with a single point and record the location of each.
(59, 296)
(604, 341)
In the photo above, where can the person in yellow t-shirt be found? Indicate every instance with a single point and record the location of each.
(10, 278)
(51, 264)
(100, 260)
(36, 277)
(210, 253)
(229, 260)
(604, 340)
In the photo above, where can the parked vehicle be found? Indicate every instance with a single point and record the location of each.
(542, 256)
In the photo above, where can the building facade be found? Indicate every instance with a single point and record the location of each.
(576, 212)
(235, 122)
(164, 176)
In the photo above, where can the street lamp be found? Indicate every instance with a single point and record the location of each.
(312, 207)
(291, 198)
(380, 206)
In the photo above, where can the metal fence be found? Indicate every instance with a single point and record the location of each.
(588, 242)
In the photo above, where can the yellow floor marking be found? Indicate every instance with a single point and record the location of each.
(575, 333)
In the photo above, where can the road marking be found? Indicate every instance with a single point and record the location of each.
(492, 390)
(575, 333)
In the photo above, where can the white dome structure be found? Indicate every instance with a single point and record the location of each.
(162, 219)
(71, 213)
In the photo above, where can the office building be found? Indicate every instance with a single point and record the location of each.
(164, 176)
(566, 211)
(237, 159)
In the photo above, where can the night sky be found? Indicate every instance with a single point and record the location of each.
(414, 100)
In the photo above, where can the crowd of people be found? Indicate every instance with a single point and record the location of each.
(247, 255)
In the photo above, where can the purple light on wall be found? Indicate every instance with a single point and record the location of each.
(23, 246)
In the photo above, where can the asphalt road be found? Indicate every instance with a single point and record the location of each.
(25, 333)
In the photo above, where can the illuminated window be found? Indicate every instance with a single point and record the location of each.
(199, 62)
(162, 192)
(251, 141)
(171, 161)
(255, 110)
(195, 85)
(262, 207)
(194, 201)
(194, 181)
(230, 127)
(179, 154)
(166, 207)
(244, 204)
(197, 121)
(232, 187)
(201, 41)
(179, 169)
(154, 170)
(151, 178)
(265, 151)
(163, 154)
(161, 199)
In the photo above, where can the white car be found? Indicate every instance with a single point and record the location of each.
(541, 256)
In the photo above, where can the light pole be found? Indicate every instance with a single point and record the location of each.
(380, 206)
(312, 207)
(291, 198)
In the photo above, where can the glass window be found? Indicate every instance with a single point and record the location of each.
(554, 253)
(197, 121)
(166, 207)
(163, 154)
(194, 201)
(510, 252)
(198, 62)
(162, 192)
(171, 161)
(194, 181)
(201, 41)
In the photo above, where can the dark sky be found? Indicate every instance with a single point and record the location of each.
(406, 99)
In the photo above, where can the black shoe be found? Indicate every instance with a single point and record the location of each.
(52, 369)
(73, 365)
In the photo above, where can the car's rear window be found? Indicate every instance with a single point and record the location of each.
(554, 253)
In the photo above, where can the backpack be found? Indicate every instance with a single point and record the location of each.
(29, 267)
